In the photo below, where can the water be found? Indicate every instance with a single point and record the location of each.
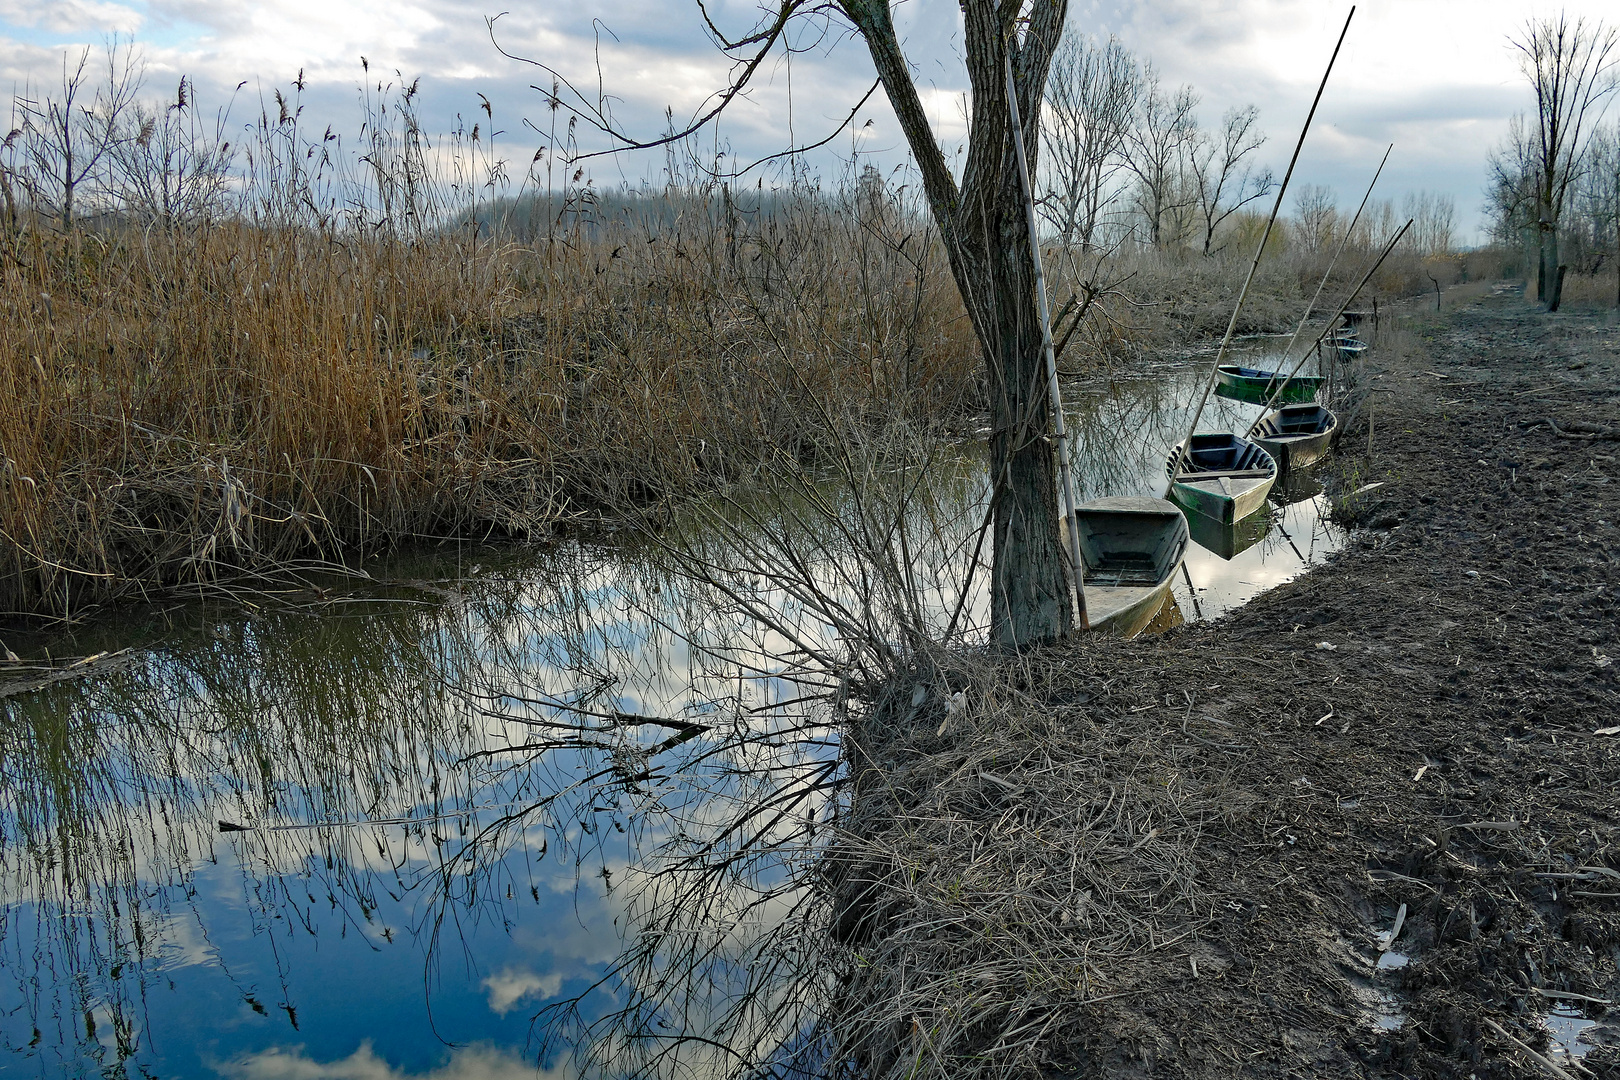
(362, 836)
(1565, 1026)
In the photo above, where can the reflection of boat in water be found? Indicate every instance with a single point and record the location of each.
(1231, 539)
(1296, 435)
(1221, 476)
(1132, 548)
(1168, 617)
(1295, 485)
(1257, 385)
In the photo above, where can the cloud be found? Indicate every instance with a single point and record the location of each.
(84, 18)
(466, 1063)
(511, 987)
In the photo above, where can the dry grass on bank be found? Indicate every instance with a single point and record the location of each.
(178, 405)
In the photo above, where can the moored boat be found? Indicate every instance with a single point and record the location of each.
(1257, 385)
(1221, 475)
(1132, 548)
(1296, 435)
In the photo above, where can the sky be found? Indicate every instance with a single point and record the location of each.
(1435, 77)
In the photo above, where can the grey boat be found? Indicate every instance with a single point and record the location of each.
(1297, 435)
(1132, 548)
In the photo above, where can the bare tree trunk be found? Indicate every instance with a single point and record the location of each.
(987, 241)
(1541, 263)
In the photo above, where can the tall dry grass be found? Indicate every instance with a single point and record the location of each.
(178, 405)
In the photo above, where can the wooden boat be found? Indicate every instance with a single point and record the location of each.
(1229, 539)
(1350, 348)
(1132, 548)
(1222, 476)
(1296, 435)
(1257, 385)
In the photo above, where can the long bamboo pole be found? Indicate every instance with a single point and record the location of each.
(1343, 242)
(1348, 300)
(1059, 429)
(1259, 250)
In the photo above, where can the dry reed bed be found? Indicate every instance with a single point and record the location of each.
(1014, 878)
(179, 407)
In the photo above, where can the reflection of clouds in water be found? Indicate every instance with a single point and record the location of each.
(466, 1063)
(182, 942)
(512, 987)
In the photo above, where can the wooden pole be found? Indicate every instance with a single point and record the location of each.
(1259, 250)
(1348, 300)
(1343, 242)
(1052, 388)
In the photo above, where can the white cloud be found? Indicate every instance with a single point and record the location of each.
(511, 988)
(466, 1063)
(1436, 77)
(85, 18)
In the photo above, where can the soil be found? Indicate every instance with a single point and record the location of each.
(1424, 731)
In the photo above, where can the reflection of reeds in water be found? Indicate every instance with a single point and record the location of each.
(597, 714)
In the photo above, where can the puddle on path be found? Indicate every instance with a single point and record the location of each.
(1565, 1026)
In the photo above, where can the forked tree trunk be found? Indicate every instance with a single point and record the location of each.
(987, 242)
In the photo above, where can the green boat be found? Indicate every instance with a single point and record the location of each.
(1132, 548)
(1222, 476)
(1257, 385)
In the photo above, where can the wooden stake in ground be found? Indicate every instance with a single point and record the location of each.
(1053, 391)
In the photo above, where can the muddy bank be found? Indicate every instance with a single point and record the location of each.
(1365, 826)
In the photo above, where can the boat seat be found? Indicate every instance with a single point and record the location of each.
(1230, 474)
(1104, 577)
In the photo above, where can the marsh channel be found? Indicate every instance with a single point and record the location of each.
(375, 830)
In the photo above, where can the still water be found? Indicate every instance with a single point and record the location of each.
(375, 835)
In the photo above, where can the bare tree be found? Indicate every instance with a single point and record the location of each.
(1163, 133)
(1316, 214)
(1600, 194)
(1571, 70)
(66, 140)
(1091, 97)
(1223, 182)
(1434, 216)
(171, 166)
(986, 240)
(1510, 193)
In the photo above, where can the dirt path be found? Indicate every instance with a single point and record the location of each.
(1174, 857)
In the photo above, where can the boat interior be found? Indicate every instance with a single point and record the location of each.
(1221, 453)
(1126, 547)
(1306, 419)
